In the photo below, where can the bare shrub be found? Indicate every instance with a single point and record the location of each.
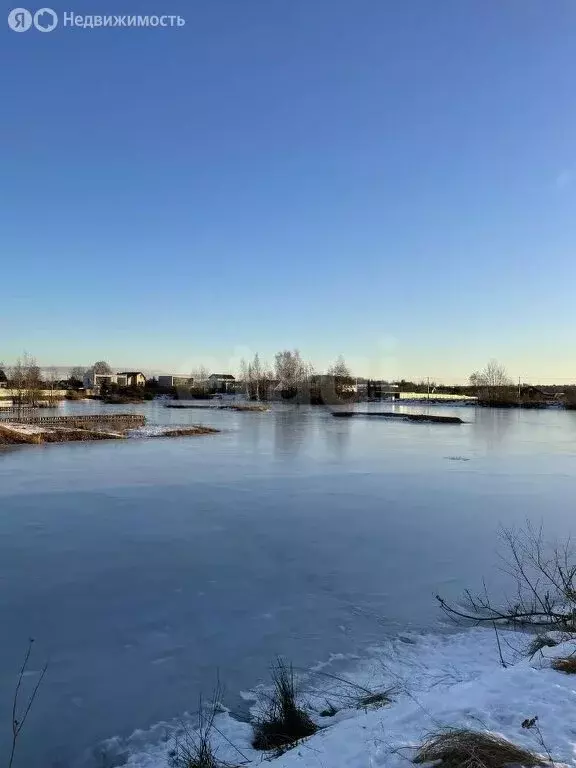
(545, 586)
(348, 694)
(375, 700)
(463, 748)
(539, 642)
(284, 722)
(194, 748)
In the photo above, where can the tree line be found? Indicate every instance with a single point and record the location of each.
(30, 385)
(292, 378)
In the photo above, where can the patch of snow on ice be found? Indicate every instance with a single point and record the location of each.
(149, 431)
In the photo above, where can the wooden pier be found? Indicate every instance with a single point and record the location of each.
(114, 421)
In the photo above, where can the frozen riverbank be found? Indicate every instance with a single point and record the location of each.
(152, 563)
(439, 682)
(36, 434)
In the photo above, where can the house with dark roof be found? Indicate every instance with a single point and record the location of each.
(3, 379)
(175, 380)
(221, 383)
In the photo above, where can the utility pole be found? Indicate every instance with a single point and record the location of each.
(428, 387)
(519, 389)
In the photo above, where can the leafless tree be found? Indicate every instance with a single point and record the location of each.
(342, 378)
(19, 719)
(52, 377)
(199, 375)
(493, 385)
(245, 374)
(492, 375)
(17, 378)
(77, 373)
(101, 367)
(256, 371)
(292, 372)
(256, 378)
(26, 381)
(545, 586)
(340, 369)
(474, 379)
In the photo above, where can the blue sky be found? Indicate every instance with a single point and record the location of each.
(392, 181)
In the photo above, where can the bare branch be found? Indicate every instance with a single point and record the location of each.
(545, 586)
(18, 724)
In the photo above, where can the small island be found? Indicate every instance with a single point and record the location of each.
(35, 430)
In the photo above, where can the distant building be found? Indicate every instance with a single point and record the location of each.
(95, 381)
(3, 379)
(376, 389)
(221, 382)
(133, 378)
(170, 381)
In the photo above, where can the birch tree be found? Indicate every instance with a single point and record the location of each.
(292, 372)
(342, 378)
(256, 378)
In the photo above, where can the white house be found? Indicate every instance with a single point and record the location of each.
(95, 381)
(133, 378)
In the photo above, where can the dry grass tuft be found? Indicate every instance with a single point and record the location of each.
(566, 665)
(330, 710)
(284, 723)
(539, 642)
(194, 749)
(375, 700)
(462, 748)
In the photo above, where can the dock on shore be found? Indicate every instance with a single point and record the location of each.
(422, 418)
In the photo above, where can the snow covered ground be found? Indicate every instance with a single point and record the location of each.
(440, 681)
(150, 430)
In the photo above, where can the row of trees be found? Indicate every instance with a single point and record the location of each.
(293, 378)
(493, 386)
(30, 385)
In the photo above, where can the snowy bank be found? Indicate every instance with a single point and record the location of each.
(440, 681)
(171, 431)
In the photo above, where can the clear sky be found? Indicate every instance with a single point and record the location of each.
(394, 181)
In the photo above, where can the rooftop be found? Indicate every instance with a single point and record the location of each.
(130, 373)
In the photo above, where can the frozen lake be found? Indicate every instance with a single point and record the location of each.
(143, 568)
